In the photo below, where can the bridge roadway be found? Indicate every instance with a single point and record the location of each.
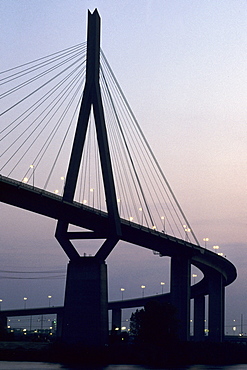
(215, 268)
(114, 306)
(51, 205)
(127, 303)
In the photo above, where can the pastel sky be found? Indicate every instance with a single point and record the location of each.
(182, 66)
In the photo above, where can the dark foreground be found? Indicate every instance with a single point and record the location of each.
(181, 354)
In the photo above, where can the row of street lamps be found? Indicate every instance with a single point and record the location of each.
(122, 290)
(32, 167)
(186, 228)
(215, 247)
(25, 301)
(49, 301)
(205, 240)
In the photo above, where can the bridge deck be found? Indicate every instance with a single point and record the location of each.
(47, 204)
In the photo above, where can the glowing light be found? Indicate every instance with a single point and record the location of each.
(205, 240)
(162, 287)
(143, 289)
(122, 291)
(194, 276)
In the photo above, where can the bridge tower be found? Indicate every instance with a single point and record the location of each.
(85, 319)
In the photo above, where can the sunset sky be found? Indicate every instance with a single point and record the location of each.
(182, 65)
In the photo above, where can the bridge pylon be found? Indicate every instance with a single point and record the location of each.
(91, 100)
(85, 318)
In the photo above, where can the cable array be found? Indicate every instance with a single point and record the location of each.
(39, 109)
(144, 194)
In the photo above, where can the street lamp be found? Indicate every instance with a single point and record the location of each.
(234, 328)
(1, 304)
(140, 209)
(25, 302)
(163, 220)
(119, 206)
(187, 230)
(92, 191)
(62, 178)
(194, 276)
(216, 247)
(162, 287)
(143, 289)
(205, 240)
(122, 291)
(49, 300)
(33, 168)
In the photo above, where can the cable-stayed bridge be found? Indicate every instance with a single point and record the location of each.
(72, 150)
(39, 109)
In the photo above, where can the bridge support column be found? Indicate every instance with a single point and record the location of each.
(216, 309)
(59, 325)
(116, 319)
(3, 321)
(85, 320)
(180, 293)
(199, 318)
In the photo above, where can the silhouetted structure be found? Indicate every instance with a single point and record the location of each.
(84, 318)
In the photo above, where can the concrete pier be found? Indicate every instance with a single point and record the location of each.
(85, 320)
(180, 293)
(116, 319)
(199, 318)
(216, 307)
